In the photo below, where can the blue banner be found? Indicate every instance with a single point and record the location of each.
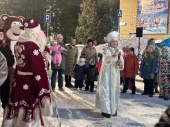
(153, 16)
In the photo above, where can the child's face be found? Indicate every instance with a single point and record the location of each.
(82, 60)
(164, 52)
(152, 42)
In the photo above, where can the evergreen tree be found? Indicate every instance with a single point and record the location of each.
(64, 15)
(97, 18)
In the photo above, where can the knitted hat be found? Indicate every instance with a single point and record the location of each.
(89, 40)
(31, 25)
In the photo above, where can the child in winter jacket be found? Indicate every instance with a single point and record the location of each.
(131, 67)
(99, 64)
(79, 72)
(57, 58)
(164, 74)
(148, 70)
(91, 75)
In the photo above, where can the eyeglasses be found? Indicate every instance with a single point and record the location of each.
(164, 51)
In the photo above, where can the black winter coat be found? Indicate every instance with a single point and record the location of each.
(92, 73)
(6, 51)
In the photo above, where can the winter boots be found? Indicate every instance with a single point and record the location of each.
(156, 88)
(108, 115)
(68, 81)
(125, 88)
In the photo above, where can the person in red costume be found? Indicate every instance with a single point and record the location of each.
(30, 98)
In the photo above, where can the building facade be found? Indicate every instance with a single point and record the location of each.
(129, 18)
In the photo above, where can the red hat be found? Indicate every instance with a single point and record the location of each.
(31, 25)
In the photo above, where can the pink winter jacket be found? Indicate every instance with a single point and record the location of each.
(57, 58)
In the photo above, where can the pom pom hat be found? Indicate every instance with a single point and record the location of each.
(31, 25)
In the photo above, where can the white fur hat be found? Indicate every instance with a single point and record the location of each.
(112, 36)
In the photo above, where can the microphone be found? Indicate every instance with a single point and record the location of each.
(119, 56)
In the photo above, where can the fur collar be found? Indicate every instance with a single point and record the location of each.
(114, 51)
(87, 46)
(72, 46)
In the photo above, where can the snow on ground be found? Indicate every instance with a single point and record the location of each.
(77, 109)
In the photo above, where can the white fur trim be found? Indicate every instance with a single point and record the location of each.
(18, 121)
(46, 107)
(33, 37)
(35, 29)
(12, 49)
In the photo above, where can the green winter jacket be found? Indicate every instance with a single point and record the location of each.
(71, 59)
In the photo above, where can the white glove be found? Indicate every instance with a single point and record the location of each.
(119, 62)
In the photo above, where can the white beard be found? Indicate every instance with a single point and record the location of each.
(34, 37)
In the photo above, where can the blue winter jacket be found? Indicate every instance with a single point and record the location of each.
(148, 66)
(79, 71)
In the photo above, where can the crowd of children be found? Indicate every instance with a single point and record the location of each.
(88, 73)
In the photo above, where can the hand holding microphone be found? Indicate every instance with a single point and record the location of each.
(119, 55)
(119, 61)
